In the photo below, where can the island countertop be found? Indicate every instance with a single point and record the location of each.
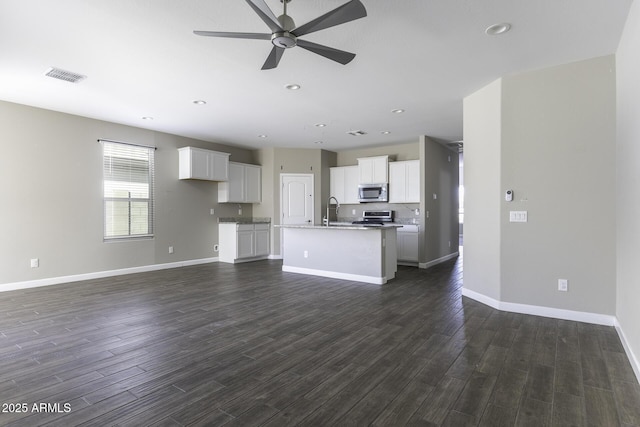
(340, 226)
(243, 220)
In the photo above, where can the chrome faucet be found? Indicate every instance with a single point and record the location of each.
(328, 206)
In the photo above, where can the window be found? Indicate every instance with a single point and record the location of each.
(128, 190)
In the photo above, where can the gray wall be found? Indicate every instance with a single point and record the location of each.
(482, 137)
(51, 198)
(556, 136)
(628, 181)
(402, 151)
(558, 156)
(439, 173)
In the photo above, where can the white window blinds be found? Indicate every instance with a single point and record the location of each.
(128, 175)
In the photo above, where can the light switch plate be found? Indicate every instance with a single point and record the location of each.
(518, 216)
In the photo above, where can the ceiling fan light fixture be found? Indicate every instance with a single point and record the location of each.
(497, 29)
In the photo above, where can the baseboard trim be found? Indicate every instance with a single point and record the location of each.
(536, 310)
(635, 364)
(100, 274)
(556, 313)
(335, 275)
(438, 260)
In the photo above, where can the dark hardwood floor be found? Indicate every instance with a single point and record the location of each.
(249, 345)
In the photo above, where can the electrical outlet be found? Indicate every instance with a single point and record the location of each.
(170, 249)
(216, 248)
(563, 285)
(306, 254)
(35, 263)
(211, 211)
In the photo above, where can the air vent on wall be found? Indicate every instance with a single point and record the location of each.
(67, 76)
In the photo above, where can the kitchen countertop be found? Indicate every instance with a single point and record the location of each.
(245, 220)
(340, 226)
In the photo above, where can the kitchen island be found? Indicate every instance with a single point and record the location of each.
(351, 252)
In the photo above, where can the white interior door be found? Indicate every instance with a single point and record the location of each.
(296, 198)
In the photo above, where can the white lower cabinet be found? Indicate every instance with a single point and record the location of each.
(408, 242)
(243, 242)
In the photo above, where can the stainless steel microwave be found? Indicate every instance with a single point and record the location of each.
(368, 193)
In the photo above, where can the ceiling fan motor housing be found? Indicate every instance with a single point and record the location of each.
(283, 39)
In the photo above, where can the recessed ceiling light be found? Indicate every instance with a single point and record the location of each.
(497, 29)
(199, 102)
(262, 136)
(293, 86)
(147, 118)
(398, 111)
(385, 132)
(320, 125)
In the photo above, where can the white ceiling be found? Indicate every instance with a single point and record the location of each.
(142, 59)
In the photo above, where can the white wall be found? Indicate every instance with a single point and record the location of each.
(628, 183)
(51, 198)
(549, 135)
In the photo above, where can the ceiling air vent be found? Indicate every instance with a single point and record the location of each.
(67, 76)
(356, 132)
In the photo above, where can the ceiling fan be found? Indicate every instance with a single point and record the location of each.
(284, 33)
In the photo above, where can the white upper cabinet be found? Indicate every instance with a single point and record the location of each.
(373, 170)
(244, 184)
(197, 163)
(344, 184)
(404, 182)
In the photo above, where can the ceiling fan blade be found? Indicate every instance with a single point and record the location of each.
(259, 36)
(263, 11)
(273, 59)
(345, 13)
(328, 52)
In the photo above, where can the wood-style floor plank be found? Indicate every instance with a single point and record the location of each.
(250, 345)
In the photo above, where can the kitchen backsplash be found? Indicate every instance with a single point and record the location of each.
(404, 213)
